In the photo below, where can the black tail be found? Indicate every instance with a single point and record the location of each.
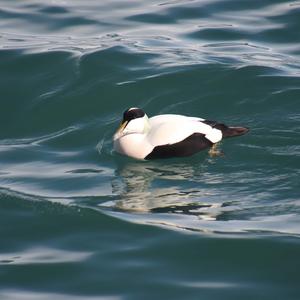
(234, 131)
(226, 130)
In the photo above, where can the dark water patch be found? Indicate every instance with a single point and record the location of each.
(72, 21)
(120, 58)
(190, 12)
(150, 249)
(54, 10)
(27, 78)
(216, 34)
(6, 13)
(151, 18)
(240, 6)
(48, 17)
(86, 171)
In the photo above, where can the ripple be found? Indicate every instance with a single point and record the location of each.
(211, 285)
(31, 295)
(275, 225)
(7, 143)
(43, 256)
(56, 180)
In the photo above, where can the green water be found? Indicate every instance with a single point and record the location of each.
(78, 221)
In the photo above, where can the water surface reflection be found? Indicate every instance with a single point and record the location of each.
(172, 187)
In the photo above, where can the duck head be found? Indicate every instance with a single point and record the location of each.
(134, 121)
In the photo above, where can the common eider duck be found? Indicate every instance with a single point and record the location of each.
(168, 135)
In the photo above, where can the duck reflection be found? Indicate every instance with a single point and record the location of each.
(163, 188)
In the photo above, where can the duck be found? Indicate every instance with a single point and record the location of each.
(168, 135)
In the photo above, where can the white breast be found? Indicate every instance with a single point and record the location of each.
(134, 145)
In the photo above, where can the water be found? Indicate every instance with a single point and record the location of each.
(78, 221)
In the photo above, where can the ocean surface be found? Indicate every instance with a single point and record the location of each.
(78, 221)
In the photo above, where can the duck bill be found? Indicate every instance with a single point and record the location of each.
(122, 126)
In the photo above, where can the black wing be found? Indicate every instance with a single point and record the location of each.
(189, 146)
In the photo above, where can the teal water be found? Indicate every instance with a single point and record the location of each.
(78, 221)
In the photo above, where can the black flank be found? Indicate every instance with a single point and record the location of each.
(189, 146)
